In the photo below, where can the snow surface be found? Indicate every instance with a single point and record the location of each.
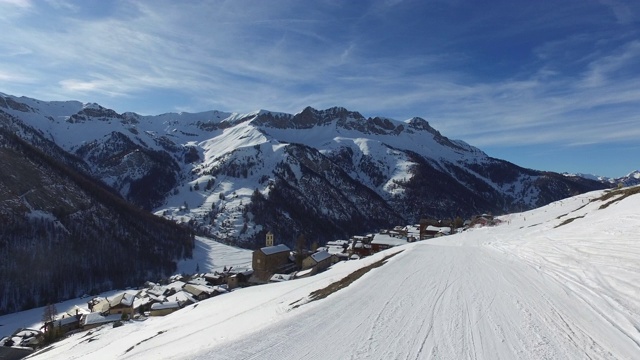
(210, 255)
(527, 289)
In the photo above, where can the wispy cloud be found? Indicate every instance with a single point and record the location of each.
(492, 78)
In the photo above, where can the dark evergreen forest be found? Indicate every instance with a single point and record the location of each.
(63, 234)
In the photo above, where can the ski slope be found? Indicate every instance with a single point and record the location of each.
(530, 288)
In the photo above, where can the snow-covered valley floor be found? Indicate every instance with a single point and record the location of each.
(527, 289)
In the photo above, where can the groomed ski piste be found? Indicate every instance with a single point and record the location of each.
(558, 282)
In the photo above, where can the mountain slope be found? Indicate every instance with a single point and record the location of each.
(322, 173)
(63, 234)
(554, 282)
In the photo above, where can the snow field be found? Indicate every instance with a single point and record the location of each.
(527, 289)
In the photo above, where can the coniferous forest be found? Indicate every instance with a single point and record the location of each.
(63, 234)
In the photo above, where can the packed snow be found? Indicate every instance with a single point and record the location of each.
(558, 282)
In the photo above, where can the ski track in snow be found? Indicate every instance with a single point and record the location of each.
(515, 291)
(455, 314)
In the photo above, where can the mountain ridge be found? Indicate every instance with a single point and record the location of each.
(234, 176)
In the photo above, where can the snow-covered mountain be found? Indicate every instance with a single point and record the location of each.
(632, 178)
(325, 173)
(558, 282)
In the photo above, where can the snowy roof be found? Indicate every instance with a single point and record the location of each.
(180, 297)
(338, 242)
(269, 250)
(176, 285)
(335, 249)
(157, 290)
(65, 321)
(199, 289)
(77, 310)
(281, 277)
(303, 272)
(141, 301)
(165, 305)
(320, 255)
(381, 239)
(442, 229)
(198, 281)
(97, 318)
(125, 299)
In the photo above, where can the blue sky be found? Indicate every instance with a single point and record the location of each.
(549, 85)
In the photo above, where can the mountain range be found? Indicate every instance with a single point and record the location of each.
(324, 174)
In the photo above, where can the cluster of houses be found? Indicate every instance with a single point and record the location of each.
(152, 300)
(271, 263)
(276, 263)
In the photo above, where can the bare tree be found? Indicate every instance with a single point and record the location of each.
(49, 313)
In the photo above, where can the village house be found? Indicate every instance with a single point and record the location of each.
(182, 297)
(63, 325)
(20, 344)
(318, 261)
(360, 249)
(122, 304)
(482, 220)
(239, 279)
(201, 292)
(432, 228)
(94, 319)
(366, 239)
(165, 308)
(382, 242)
(214, 279)
(270, 260)
(98, 304)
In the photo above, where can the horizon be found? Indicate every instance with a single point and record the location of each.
(542, 85)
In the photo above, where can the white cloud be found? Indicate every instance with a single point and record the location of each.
(230, 56)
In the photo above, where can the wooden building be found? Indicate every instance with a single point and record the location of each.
(122, 304)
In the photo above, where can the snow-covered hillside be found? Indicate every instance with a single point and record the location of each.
(325, 173)
(558, 282)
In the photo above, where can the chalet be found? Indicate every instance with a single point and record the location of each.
(63, 324)
(22, 343)
(318, 261)
(98, 304)
(239, 279)
(270, 260)
(431, 228)
(94, 319)
(401, 230)
(382, 242)
(482, 220)
(201, 292)
(122, 304)
(165, 308)
(143, 301)
(361, 249)
(173, 287)
(363, 239)
(435, 231)
(183, 298)
(214, 279)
